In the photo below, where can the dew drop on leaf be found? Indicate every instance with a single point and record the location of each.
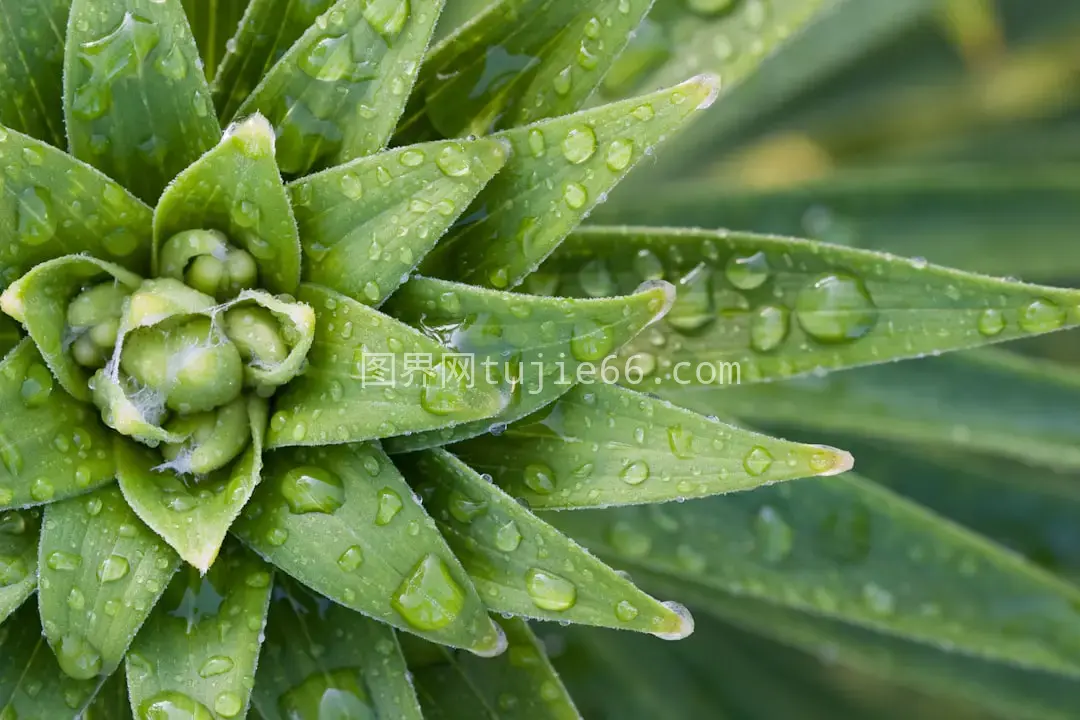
(694, 307)
(579, 144)
(758, 461)
(591, 341)
(171, 705)
(351, 559)
(12, 570)
(78, 658)
(463, 508)
(1041, 316)
(216, 665)
(453, 161)
(36, 386)
(575, 195)
(626, 611)
(63, 561)
(113, 568)
(768, 328)
(508, 536)
(389, 506)
(635, 473)
(37, 216)
(539, 478)
(619, 154)
(549, 591)
(747, 272)
(310, 489)
(334, 694)
(991, 322)
(836, 308)
(429, 598)
(537, 144)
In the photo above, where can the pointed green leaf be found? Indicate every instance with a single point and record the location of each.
(755, 308)
(559, 171)
(267, 30)
(539, 347)
(236, 189)
(365, 225)
(18, 559)
(523, 566)
(965, 217)
(136, 104)
(32, 67)
(342, 521)
(101, 572)
(213, 23)
(1001, 689)
(192, 517)
(356, 387)
(316, 649)
(40, 300)
(51, 204)
(337, 93)
(1030, 415)
(521, 684)
(31, 684)
(846, 548)
(603, 445)
(200, 646)
(51, 446)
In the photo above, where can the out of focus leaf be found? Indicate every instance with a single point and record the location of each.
(31, 67)
(213, 23)
(18, 558)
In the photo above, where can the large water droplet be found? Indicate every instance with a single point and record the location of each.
(113, 568)
(769, 328)
(626, 610)
(991, 322)
(63, 561)
(619, 154)
(36, 386)
(591, 341)
(747, 272)
(1041, 316)
(549, 591)
(389, 506)
(387, 17)
(310, 489)
(836, 308)
(228, 704)
(575, 195)
(351, 559)
(78, 658)
(579, 144)
(445, 388)
(694, 308)
(453, 161)
(331, 59)
(171, 705)
(172, 64)
(507, 536)
(429, 598)
(539, 478)
(758, 461)
(681, 442)
(463, 508)
(37, 217)
(216, 665)
(635, 473)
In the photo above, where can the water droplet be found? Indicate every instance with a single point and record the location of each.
(36, 386)
(337, 694)
(508, 537)
(171, 705)
(643, 112)
(78, 658)
(836, 308)
(351, 187)
(635, 473)
(12, 523)
(42, 490)
(694, 307)
(539, 478)
(389, 506)
(216, 665)
(681, 442)
(412, 158)
(591, 341)
(758, 461)
(563, 82)
(387, 17)
(879, 600)
(445, 389)
(768, 328)
(465, 509)
(1041, 316)
(579, 144)
(549, 591)
(63, 561)
(991, 322)
(245, 214)
(10, 455)
(276, 536)
(774, 536)
(113, 568)
(228, 704)
(619, 154)
(351, 559)
(627, 540)
(429, 598)
(747, 272)
(12, 570)
(172, 64)
(596, 280)
(310, 489)
(37, 217)
(626, 611)
(453, 161)
(575, 195)
(331, 60)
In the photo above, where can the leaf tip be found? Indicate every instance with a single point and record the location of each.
(11, 302)
(710, 83)
(667, 301)
(829, 461)
(255, 134)
(681, 623)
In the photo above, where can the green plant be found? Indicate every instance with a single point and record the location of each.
(287, 414)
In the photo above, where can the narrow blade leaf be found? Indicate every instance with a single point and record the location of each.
(603, 445)
(559, 171)
(523, 566)
(236, 189)
(267, 30)
(31, 684)
(192, 518)
(336, 95)
(51, 446)
(51, 204)
(18, 559)
(520, 685)
(365, 225)
(136, 103)
(40, 300)
(101, 572)
(213, 23)
(846, 548)
(342, 521)
(315, 647)
(935, 402)
(756, 308)
(539, 347)
(200, 646)
(32, 101)
(355, 388)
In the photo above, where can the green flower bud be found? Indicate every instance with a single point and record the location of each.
(257, 335)
(214, 439)
(95, 315)
(204, 260)
(193, 365)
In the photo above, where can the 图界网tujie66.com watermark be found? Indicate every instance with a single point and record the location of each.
(466, 369)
